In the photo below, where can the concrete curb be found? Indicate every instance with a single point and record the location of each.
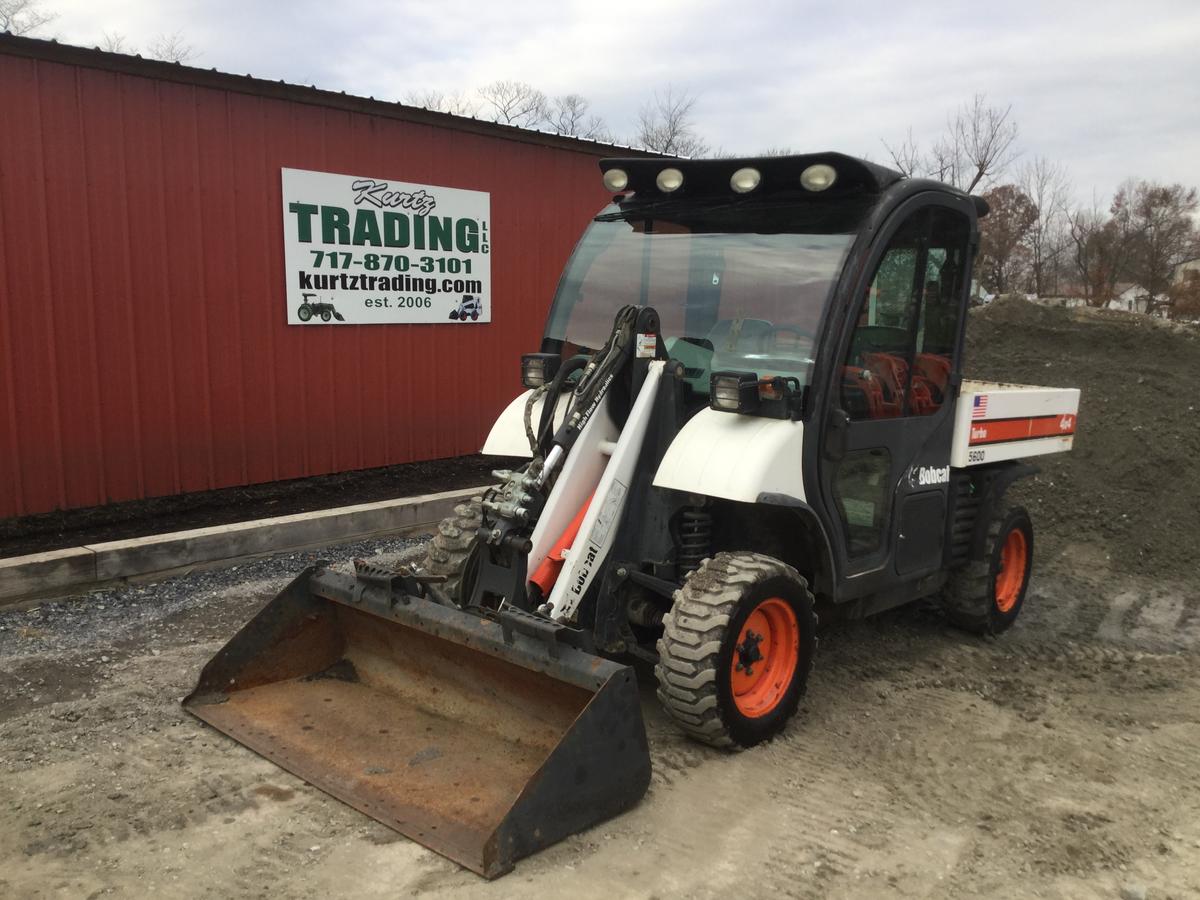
(75, 569)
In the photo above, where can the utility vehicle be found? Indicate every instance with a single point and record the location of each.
(747, 409)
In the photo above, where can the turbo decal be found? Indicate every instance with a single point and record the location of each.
(997, 431)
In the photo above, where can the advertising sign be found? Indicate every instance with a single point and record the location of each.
(372, 251)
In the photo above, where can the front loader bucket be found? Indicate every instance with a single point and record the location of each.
(483, 741)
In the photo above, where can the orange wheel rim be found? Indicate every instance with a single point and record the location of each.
(765, 658)
(1010, 577)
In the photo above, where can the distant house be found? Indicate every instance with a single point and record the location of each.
(979, 294)
(1064, 302)
(1129, 298)
(1182, 270)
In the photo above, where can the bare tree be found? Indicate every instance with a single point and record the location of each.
(1047, 184)
(666, 125)
(1003, 252)
(115, 42)
(1102, 244)
(457, 103)
(569, 115)
(1088, 253)
(1185, 296)
(778, 151)
(23, 16)
(906, 157)
(978, 145)
(171, 48)
(1164, 235)
(514, 102)
(984, 139)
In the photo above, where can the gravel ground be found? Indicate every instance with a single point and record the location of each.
(1057, 761)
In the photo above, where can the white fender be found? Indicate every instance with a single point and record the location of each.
(507, 437)
(735, 457)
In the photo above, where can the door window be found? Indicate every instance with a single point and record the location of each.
(902, 351)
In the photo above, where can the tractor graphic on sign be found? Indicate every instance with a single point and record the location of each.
(311, 307)
(469, 308)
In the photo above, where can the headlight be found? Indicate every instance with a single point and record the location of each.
(538, 369)
(818, 177)
(735, 392)
(616, 180)
(669, 180)
(745, 180)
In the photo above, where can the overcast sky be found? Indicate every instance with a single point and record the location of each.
(1110, 89)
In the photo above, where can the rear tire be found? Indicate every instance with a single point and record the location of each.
(986, 595)
(304, 313)
(737, 648)
(450, 548)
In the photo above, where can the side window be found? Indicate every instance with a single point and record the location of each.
(945, 269)
(902, 351)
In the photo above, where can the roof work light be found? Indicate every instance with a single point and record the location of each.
(669, 180)
(743, 181)
(818, 177)
(616, 180)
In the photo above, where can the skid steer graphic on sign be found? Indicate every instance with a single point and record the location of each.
(469, 308)
(787, 429)
(311, 307)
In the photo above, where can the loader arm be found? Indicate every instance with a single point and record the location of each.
(484, 732)
(498, 574)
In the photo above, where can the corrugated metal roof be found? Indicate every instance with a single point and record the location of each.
(94, 57)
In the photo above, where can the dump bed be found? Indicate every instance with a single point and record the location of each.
(996, 421)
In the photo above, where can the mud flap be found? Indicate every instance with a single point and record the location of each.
(483, 741)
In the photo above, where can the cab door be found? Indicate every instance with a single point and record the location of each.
(886, 478)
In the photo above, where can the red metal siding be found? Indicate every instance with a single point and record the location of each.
(144, 349)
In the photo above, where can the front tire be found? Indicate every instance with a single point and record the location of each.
(737, 648)
(448, 552)
(987, 595)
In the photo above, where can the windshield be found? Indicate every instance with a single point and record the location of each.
(736, 288)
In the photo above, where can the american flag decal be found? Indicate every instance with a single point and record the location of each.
(979, 407)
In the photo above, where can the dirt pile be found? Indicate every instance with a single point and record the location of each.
(1131, 486)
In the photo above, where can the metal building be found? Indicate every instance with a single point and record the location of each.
(144, 342)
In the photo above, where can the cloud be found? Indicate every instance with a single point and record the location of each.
(1110, 89)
